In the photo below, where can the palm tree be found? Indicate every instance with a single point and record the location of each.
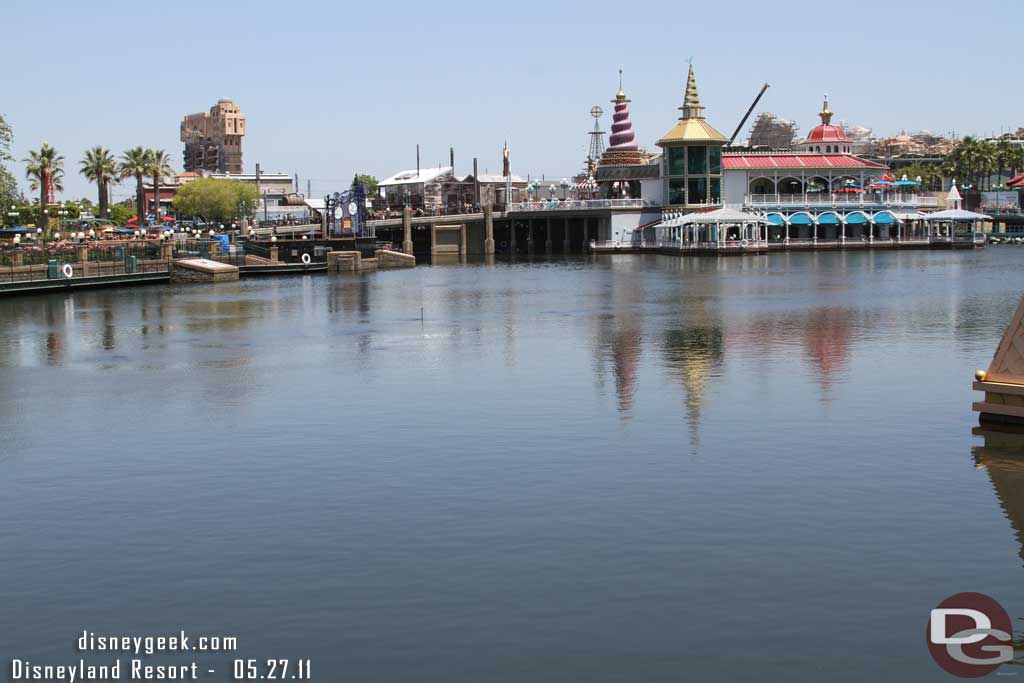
(45, 169)
(99, 166)
(135, 163)
(160, 166)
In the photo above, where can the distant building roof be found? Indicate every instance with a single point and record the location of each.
(760, 160)
(411, 177)
(494, 179)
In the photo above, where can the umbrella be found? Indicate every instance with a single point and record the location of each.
(168, 219)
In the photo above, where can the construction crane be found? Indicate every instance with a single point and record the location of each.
(747, 115)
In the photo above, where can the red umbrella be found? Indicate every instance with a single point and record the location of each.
(168, 219)
(133, 219)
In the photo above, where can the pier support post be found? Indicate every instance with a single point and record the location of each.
(512, 235)
(488, 230)
(547, 239)
(407, 230)
(529, 236)
(567, 242)
(586, 233)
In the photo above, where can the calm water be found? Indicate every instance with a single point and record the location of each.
(622, 469)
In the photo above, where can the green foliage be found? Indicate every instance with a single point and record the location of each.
(119, 213)
(368, 180)
(29, 215)
(6, 138)
(45, 165)
(216, 199)
(930, 174)
(974, 161)
(99, 166)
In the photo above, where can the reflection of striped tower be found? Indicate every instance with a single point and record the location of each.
(623, 150)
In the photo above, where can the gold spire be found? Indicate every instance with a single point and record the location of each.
(691, 108)
(825, 113)
(621, 96)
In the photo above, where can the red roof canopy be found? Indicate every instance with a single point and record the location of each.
(1016, 181)
(827, 133)
(755, 160)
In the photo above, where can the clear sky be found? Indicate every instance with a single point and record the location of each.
(330, 88)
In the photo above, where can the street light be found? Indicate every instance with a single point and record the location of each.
(565, 186)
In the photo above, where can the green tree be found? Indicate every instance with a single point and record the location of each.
(8, 184)
(160, 166)
(99, 166)
(216, 199)
(135, 163)
(45, 167)
(368, 180)
(119, 213)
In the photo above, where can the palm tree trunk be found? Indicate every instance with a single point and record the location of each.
(103, 196)
(44, 217)
(140, 198)
(156, 197)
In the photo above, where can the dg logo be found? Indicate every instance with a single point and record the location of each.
(970, 635)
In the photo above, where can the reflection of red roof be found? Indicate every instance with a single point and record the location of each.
(1016, 181)
(827, 133)
(743, 160)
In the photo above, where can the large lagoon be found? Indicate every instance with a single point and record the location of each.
(627, 468)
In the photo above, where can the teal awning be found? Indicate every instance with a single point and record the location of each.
(884, 218)
(800, 219)
(828, 219)
(856, 218)
(776, 219)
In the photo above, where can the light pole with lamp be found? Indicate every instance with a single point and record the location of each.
(565, 189)
(13, 214)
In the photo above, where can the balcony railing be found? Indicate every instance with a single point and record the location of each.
(577, 204)
(895, 199)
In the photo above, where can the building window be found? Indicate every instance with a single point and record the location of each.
(677, 192)
(698, 160)
(697, 190)
(716, 190)
(715, 159)
(676, 160)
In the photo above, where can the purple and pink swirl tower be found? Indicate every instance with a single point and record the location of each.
(622, 149)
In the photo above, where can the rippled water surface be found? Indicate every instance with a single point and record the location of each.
(625, 468)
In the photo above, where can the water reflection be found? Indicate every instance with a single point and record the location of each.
(1002, 456)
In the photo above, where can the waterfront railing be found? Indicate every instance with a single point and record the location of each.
(579, 204)
(840, 201)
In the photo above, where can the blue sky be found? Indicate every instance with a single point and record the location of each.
(332, 88)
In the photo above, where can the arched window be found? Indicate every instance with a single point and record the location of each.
(817, 149)
(828, 149)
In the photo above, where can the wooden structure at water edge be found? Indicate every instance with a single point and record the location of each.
(1003, 382)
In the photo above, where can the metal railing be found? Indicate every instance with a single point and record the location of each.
(824, 200)
(577, 204)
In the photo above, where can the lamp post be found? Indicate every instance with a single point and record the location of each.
(13, 215)
(565, 187)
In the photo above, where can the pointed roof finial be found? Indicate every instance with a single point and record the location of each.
(621, 95)
(825, 113)
(691, 108)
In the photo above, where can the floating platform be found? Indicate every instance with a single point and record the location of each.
(202, 270)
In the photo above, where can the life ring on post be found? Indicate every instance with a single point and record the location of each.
(68, 271)
(744, 242)
(306, 259)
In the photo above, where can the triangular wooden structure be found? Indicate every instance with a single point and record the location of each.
(1007, 365)
(1003, 383)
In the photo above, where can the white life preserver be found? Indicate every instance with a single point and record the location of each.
(306, 259)
(68, 271)
(744, 243)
